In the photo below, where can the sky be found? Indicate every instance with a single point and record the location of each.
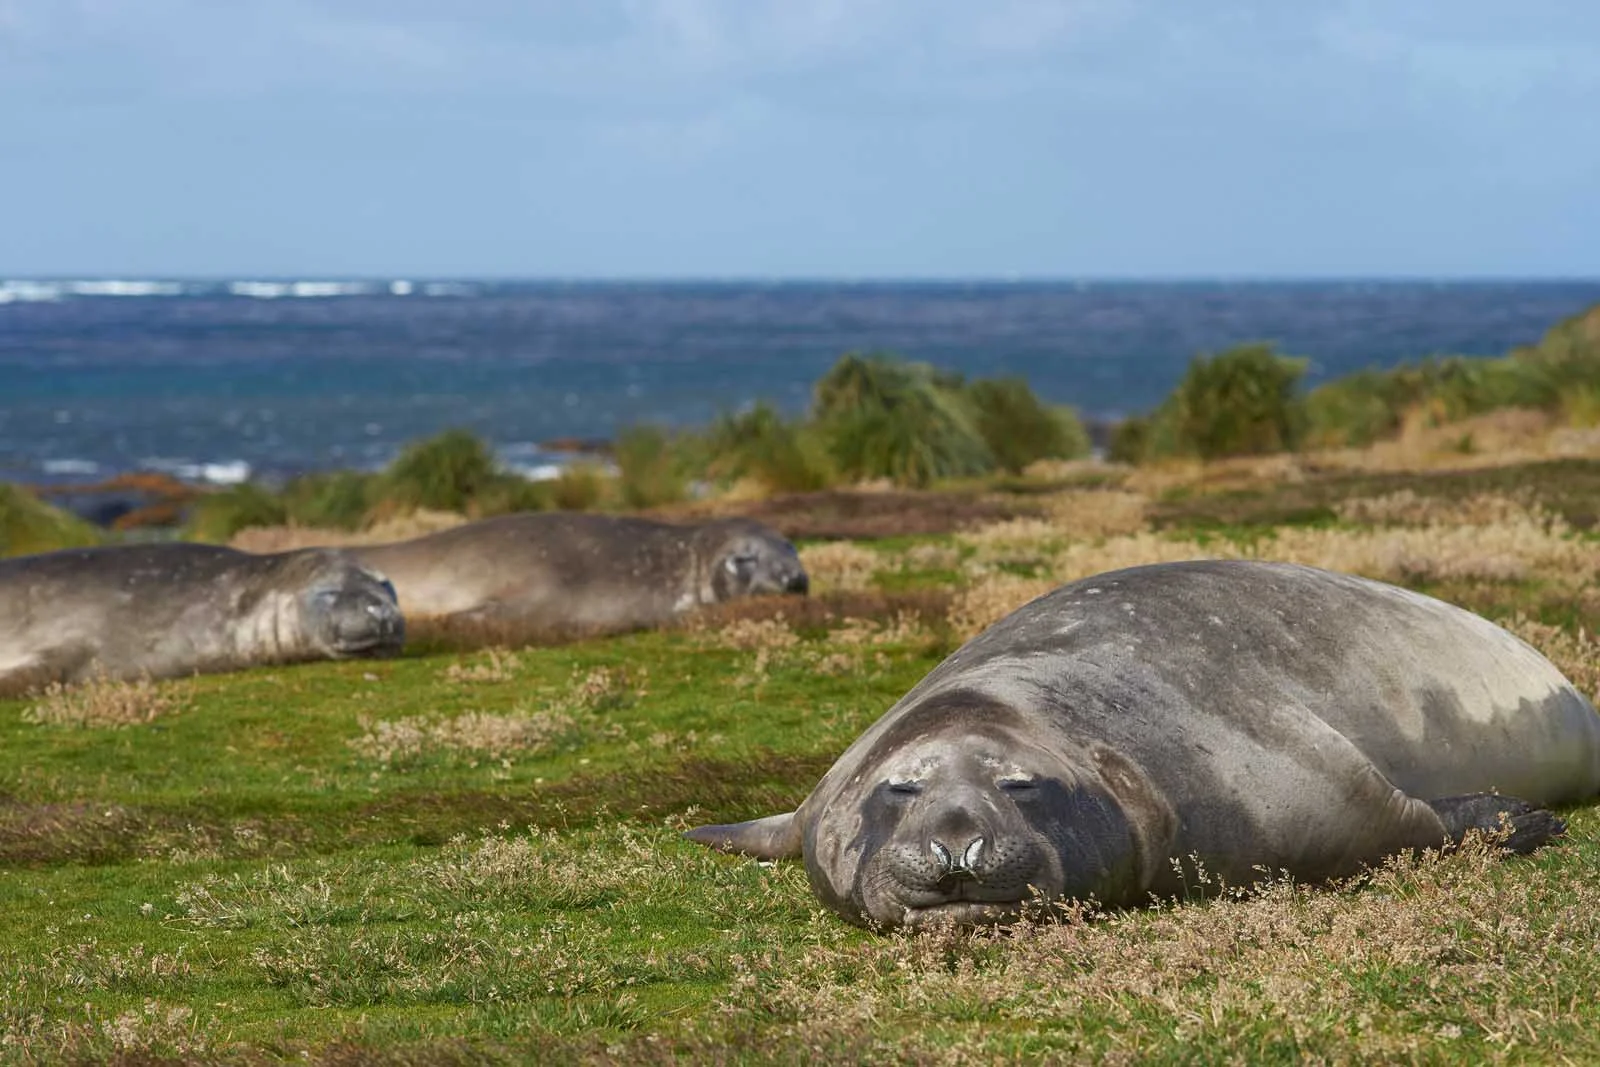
(800, 138)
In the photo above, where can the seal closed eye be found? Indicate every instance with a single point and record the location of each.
(1254, 716)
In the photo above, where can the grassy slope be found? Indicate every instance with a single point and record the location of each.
(249, 876)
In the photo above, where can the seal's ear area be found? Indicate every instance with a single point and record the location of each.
(774, 838)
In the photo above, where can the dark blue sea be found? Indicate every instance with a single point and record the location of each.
(216, 380)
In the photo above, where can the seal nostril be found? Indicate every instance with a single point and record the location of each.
(969, 858)
(942, 854)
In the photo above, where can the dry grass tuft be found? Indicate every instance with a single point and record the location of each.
(905, 628)
(839, 566)
(990, 599)
(1514, 550)
(106, 703)
(398, 742)
(1405, 507)
(1004, 540)
(1091, 514)
(495, 665)
(748, 635)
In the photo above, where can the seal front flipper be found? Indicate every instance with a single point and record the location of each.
(773, 838)
(1529, 826)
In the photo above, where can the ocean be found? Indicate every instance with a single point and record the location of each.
(220, 380)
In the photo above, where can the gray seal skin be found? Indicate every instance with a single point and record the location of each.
(163, 610)
(575, 572)
(1256, 716)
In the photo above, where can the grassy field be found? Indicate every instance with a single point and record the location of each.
(473, 855)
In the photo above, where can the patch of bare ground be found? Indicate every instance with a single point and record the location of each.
(856, 514)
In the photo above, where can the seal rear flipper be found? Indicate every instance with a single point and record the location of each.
(772, 838)
(1530, 826)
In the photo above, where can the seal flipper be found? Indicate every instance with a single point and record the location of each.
(772, 838)
(1530, 826)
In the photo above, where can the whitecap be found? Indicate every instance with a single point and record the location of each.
(70, 466)
(121, 287)
(28, 291)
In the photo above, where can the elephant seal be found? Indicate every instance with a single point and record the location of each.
(1254, 716)
(577, 573)
(163, 610)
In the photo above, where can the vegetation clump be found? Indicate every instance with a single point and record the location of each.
(29, 525)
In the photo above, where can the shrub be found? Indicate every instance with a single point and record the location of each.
(1570, 349)
(1130, 440)
(579, 487)
(1018, 428)
(508, 493)
(650, 470)
(334, 500)
(884, 418)
(1239, 402)
(29, 525)
(441, 473)
(761, 445)
(1372, 404)
(220, 515)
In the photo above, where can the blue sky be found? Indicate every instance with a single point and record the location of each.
(800, 138)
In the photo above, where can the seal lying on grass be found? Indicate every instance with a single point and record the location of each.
(163, 610)
(1254, 716)
(576, 573)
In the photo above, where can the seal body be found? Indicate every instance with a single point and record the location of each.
(581, 573)
(1253, 717)
(162, 610)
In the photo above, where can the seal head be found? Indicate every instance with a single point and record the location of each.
(747, 558)
(969, 822)
(347, 610)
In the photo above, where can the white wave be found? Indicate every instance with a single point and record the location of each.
(121, 287)
(314, 289)
(70, 466)
(259, 290)
(401, 287)
(226, 472)
(28, 291)
(447, 289)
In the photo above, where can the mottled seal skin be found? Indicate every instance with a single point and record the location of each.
(1256, 716)
(578, 573)
(163, 610)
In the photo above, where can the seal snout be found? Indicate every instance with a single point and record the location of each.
(960, 863)
(798, 582)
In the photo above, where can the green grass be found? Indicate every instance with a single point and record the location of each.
(324, 861)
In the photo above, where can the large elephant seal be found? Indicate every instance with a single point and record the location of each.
(163, 610)
(1256, 716)
(575, 573)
